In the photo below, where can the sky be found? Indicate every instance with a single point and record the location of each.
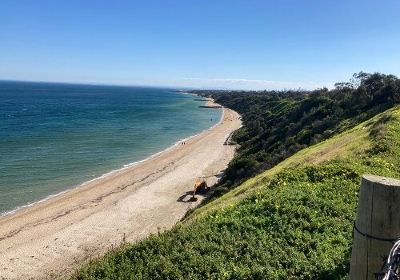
(245, 44)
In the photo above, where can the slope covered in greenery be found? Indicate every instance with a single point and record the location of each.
(278, 124)
(292, 221)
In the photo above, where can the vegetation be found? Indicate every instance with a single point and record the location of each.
(292, 221)
(278, 124)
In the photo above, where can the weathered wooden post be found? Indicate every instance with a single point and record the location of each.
(376, 227)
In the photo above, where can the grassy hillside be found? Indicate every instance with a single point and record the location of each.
(279, 124)
(342, 146)
(292, 221)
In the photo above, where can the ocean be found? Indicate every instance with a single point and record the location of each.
(56, 136)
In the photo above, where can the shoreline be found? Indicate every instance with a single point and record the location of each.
(51, 238)
(114, 171)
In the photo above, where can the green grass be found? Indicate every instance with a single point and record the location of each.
(348, 143)
(293, 221)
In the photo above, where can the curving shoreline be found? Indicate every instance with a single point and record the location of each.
(112, 172)
(51, 238)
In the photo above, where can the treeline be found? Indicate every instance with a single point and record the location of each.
(276, 124)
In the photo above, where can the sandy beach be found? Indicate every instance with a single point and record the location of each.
(52, 238)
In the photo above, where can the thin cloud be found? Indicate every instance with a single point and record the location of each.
(252, 84)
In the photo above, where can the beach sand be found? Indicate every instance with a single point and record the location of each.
(52, 238)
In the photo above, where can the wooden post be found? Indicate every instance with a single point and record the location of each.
(377, 223)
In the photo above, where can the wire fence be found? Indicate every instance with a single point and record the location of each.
(391, 266)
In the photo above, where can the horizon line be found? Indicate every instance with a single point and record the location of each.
(177, 87)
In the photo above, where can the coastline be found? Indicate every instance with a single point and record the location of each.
(50, 238)
(209, 103)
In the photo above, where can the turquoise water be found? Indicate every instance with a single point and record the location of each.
(56, 136)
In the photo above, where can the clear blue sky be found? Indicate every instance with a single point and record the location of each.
(216, 43)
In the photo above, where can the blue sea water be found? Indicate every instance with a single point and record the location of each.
(56, 136)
